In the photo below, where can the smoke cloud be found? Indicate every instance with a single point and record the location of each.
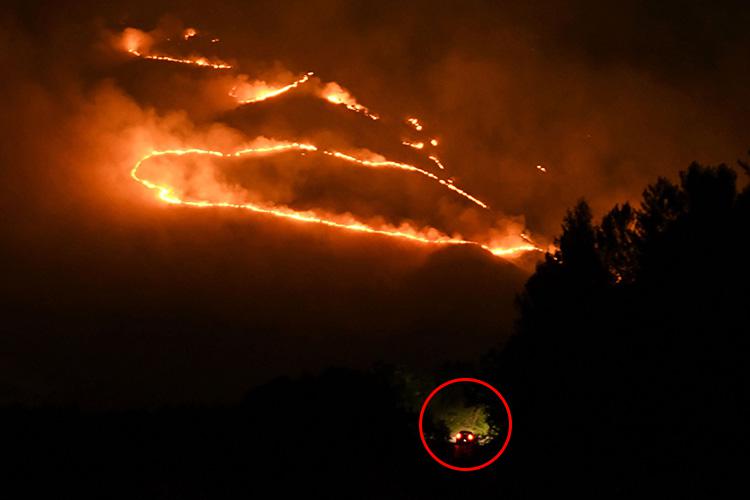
(113, 295)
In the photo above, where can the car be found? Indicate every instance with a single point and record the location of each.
(465, 438)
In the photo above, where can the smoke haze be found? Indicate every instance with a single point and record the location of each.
(112, 295)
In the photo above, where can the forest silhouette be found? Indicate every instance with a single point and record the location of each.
(627, 376)
(629, 363)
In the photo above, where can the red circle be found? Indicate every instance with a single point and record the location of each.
(443, 386)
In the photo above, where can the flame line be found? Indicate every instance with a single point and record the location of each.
(436, 161)
(200, 61)
(166, 194)
(411, 168)
(434, 236)
(271, 93)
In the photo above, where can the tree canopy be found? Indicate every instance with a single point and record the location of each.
(633, 335)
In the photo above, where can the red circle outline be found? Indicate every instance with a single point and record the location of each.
(443, 386)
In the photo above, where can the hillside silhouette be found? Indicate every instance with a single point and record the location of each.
(627, 376)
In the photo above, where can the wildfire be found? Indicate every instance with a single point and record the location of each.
(247, 93)
(415, 145)
(415, 123)
(426, 235)
(138, 43)
(436, 161)
(333, 93)
(197, 61)
(410, 168)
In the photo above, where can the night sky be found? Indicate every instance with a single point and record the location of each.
(111, 298)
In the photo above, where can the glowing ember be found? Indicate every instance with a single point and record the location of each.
(415, 145)
(137, 43)
(541, 169)
(436, 161)
(333, 93)
(414, 123)
(434, 142)
(189, 33)
(197, 61)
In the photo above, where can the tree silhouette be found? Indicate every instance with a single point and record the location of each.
(630, 358)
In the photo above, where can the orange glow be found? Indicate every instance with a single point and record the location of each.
(541, 169)
(436, 161)
(334, 93)
(410, 168)
(470, 437)
(196, 61)
(414, 123)
(427, 235)
(247, 93)
(138, 43)
(415, 145)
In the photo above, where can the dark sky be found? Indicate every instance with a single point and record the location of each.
(112, 298)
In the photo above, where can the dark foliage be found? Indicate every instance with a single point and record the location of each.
(629, 365)
(341, 434)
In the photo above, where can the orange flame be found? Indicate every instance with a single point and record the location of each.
(138, 43)
(334, 93)
(411, 168)
(415, 123)
(247, 93)
(197, 61)
(436, 161)
(415, 145)
(426, 235)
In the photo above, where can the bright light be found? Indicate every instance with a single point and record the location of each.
(250, 92)
(138, 44)
(415, 145)
(414, 123)
(470, 437)
(458, 436)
